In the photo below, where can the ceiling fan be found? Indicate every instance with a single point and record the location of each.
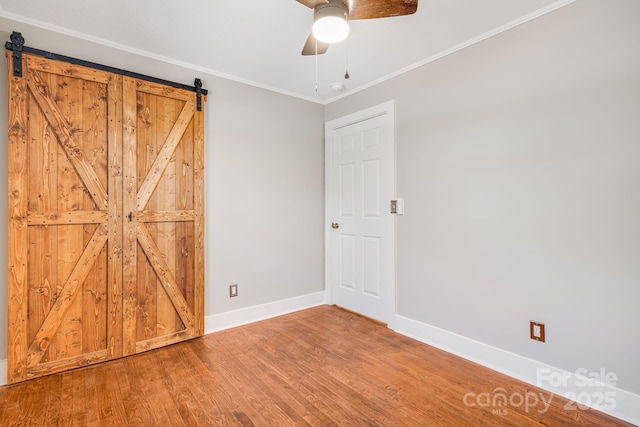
(331, 18)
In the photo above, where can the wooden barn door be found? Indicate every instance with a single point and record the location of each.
(105, 217)
(64, 225)
(163, 229)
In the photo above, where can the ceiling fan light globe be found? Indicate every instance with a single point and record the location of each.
(330, 29)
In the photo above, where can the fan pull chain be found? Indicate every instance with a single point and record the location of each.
(316, 65)
(346, 73)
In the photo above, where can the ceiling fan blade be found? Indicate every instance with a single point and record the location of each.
(310, 46)
(360, 9)
(312, 3)
(369, 9)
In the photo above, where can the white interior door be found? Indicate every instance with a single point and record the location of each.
(360, 228)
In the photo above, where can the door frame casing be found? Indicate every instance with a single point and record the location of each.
(386, 109)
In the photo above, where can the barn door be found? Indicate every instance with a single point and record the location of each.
(106, 221)
(64, 225)
(163, 208)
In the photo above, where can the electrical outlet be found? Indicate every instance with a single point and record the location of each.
(536, 331)
(233, 290)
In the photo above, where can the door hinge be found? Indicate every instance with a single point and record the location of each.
(15, 45)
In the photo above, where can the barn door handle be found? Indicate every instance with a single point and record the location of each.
(130, 216)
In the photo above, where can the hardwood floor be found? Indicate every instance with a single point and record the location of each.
(321, 367)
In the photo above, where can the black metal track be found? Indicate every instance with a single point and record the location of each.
(55, 56)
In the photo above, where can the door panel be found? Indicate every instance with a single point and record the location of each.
(163, 280)
(60, 295)
(361, 224)
(347, 263)
(360, 179)
(371, 257)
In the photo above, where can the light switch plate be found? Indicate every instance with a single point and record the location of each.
(396, 206)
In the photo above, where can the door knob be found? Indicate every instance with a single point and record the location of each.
(335, 225)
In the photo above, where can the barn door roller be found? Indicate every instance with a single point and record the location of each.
(198, 86)
(15, 45)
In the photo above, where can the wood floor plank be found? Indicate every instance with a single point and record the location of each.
(224, 397)
(318, 367)
(277, 383)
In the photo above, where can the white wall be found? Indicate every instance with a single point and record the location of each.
(519, 162)
(265, 198)
(264, 185)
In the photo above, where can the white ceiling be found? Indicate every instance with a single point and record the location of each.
(259, 41)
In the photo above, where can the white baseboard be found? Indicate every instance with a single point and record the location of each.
(243, 316)
(3, 372)
(601, 396)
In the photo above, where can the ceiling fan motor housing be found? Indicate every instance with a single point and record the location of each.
(330, 21)
(332, 8)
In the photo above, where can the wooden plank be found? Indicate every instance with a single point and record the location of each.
(164, 274)
(136, 399)
(66, 137)
(43, 241)
(43, 191)
(43, 151)
(66, 69)
(68, 294)
(42, 412)
(91, 397)
(129, 242)
(168, 114)
(79, 361)
(93, 323)
(62, 174)
(312, 3)
(184, 172)
(42, 286)
(148, 145)
(201, 402)
(164, 156)
(39, 288)
(163, 91)
(94, 130)
(184, 241)
(94, 110)
(166, 216)
(17, 232)
(115, 240)
(110, 404)
(185, 262)
(164, 340)
(61, 254)
(67, 217)
(66, 340)
(198, 194)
